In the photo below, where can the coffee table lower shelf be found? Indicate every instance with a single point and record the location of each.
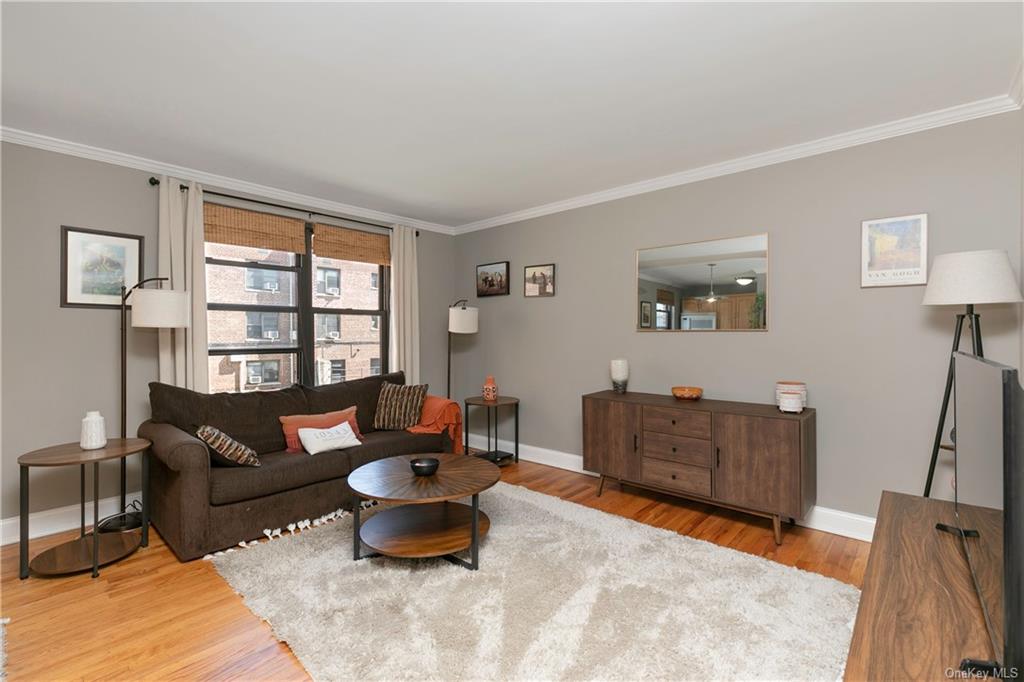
(417, 531)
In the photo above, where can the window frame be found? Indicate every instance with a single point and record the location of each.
(262, 365)
(263, 272)
(326, 271)
(304, 349)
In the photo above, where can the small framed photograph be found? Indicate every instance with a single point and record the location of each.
(539, 280)
(492, 279)
(646, 313)
(894, 251)
(94, 265)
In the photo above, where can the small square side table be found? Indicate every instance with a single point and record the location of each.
(494, 454)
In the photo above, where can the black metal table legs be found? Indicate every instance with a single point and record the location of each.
(95, 519)
(493, 453)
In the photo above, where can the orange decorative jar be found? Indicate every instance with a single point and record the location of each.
(490, 389)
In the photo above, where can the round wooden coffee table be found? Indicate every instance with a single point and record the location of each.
(429, 523)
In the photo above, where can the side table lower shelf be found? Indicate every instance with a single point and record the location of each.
(76, 555)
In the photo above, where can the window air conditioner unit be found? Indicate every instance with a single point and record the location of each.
(334, 335)
(271, 286)
(333, 291)
(256, 380)
(295, 335)
(271, 335)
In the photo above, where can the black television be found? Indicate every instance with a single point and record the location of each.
(988, 439)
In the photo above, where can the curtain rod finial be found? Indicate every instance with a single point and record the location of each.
(153, 181)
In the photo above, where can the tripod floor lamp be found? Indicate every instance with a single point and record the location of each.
(462, 319)
(967, 278)
(153, 308)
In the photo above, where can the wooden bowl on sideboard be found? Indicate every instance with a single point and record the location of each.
(687, 392)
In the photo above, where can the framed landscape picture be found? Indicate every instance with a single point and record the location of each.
(539, 280)
(646, 313)
(894, 251)
(94, 265)
(492, 279)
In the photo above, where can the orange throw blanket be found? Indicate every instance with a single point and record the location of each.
(438, 415)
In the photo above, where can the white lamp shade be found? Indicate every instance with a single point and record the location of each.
(162, 308)
(972, 278)
(463, 320)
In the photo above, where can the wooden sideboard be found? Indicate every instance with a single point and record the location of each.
(919, 615)
(745, 456)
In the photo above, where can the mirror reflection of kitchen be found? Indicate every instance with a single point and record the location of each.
(718, 285)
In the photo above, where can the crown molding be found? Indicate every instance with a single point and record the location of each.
(883, 131)
(211, 180)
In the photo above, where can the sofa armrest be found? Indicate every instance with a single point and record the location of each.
(178, 450)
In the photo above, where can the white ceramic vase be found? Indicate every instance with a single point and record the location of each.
(94, 431)
(620, 374)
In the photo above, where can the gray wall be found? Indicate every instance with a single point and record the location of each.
(59, 362)
(874, 359)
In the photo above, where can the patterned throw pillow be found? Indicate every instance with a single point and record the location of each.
(399, 407)
(225, 450)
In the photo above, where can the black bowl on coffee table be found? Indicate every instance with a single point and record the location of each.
(424, 466)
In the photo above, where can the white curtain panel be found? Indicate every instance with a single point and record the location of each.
(405, 304)
(182, 258)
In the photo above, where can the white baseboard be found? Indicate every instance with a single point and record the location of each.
(825, 519)
(50, 521)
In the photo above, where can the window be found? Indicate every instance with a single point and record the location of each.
(328, 281)
(262, 326)
(663, 316)
(328, 327)
(337, 371)
(277, 310)
(262, 280)
(263, 372)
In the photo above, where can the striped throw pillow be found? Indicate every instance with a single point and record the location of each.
(225, 450)
(399, 407)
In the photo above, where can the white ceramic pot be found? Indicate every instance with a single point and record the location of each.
(94, 431)
(790, 401)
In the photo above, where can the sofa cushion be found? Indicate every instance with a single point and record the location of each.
(251, 418)
(363, 393)
(280, 471)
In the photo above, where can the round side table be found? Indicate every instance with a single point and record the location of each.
(494, 454)
(85, 551)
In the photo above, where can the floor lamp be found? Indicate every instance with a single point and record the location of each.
(967, 278)
(152, 308)
(461, 320)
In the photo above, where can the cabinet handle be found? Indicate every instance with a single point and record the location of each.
(673, 477)
(673, 449)
(673, 422)
(718, 457)
(636, 442)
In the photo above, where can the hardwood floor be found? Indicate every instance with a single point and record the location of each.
(150, 617)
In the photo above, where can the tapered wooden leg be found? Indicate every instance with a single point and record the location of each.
(777, 528)
(600, 485)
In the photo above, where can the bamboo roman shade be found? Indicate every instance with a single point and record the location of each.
(242, 227)
(666, 297)
(331, 241)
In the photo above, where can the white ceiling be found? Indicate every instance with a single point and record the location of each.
(457, 113)
(687, 264)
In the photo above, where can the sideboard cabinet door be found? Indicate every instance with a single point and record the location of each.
(757, 463)
(611, 438)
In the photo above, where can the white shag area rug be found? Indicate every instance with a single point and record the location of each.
(564, 592)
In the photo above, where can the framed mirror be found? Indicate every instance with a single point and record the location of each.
(717, 285)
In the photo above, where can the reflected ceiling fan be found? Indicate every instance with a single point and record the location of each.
(712, 297)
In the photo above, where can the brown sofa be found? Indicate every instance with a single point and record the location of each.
(200, 508)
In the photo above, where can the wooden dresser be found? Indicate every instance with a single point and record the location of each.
(919, 614)
(744, 456)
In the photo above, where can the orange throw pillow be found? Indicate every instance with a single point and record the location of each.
(293, 423)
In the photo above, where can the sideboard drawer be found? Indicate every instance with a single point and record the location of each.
(673, 476)
(690, 423)
(681, 449)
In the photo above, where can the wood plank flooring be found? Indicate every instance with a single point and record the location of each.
(150, 617)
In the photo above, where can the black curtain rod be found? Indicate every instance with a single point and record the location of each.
(156, 181)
